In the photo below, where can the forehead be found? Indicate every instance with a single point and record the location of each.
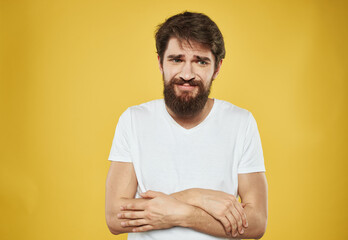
(183, 47)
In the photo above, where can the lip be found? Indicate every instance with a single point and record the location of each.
(186, 87)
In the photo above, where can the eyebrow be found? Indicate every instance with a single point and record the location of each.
(175, 56)
(200, 58)
(203, 58)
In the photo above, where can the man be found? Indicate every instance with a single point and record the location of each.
(179, 164)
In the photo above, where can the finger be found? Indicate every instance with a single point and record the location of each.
(239, 207)
(233, 223)
(143, 228)
(133, 206)
(131, 215)
(134, 223)
(226, 224)
(237, 216)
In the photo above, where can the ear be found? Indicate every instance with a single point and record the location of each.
(217, 69)
(159, 64)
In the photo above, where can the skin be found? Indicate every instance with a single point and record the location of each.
(160, 211)
(187, 62)
(212, 212)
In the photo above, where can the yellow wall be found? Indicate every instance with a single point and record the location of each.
(68, 69)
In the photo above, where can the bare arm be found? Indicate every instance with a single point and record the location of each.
(202, 221)
(164, 211)
(223, 207)
(121, 185)
(253, 193)
(253, 190)
(159, 211)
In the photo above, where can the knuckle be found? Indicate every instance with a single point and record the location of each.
(149, 209)
(149, 227)
(233, 221)
(150, 216)
(221, 213)
(234, 226)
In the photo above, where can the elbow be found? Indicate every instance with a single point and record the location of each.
(113, 230)
(112, 225)
(261, 227)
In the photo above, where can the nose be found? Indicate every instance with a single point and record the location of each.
(187, 72)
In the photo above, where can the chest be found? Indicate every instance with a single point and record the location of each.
(171, 161)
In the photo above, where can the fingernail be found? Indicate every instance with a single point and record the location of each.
(235, 235)
(242, 231)
(123, 224)
(119, 215)
(121, 207)
(246, 224)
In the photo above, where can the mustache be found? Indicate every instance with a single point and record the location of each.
(180, 81)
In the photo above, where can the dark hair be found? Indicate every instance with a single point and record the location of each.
(191, 26)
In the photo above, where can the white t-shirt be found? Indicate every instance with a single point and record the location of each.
(169, 158)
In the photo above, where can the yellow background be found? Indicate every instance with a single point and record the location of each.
(69, 68)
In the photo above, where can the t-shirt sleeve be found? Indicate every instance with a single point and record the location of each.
(252, 158)
(120, 149)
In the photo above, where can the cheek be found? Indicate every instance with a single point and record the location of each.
(205, 72)
(168, 75)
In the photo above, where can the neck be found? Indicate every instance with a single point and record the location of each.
(192, 121)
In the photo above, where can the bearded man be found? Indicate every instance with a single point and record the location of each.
(178, 164)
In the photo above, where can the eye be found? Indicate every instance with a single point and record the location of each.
(176, 60)
(201, 62)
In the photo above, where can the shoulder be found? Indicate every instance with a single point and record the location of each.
(229, 110)
(148, 108)
(144, 111)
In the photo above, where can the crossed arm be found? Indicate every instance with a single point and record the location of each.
(212, 212)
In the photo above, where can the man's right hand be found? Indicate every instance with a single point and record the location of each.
(222, 206)
(156, 211)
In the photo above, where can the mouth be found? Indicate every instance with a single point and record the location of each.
(186, 87)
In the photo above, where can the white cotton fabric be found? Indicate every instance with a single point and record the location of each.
(169, 158)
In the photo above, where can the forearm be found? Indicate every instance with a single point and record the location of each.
(257, 222)
(201, 221)
(204, 222)
(163, 211)
(113, 222)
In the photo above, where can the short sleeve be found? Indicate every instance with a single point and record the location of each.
(252, 158)
(120, 149)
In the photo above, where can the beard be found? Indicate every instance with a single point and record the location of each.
(185, 105)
